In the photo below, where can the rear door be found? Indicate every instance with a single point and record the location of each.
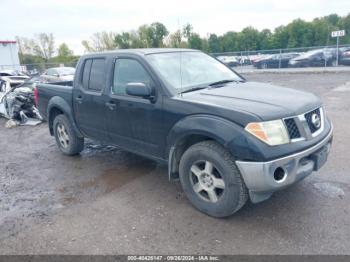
(88, 99)
(133, 122)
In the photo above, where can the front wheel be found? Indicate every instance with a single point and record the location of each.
(66, 138)
(211, 179)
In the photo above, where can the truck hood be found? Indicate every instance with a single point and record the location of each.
(266, 101)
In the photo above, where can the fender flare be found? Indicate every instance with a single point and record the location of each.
(214, 127)
(227, 133)
(62, 105)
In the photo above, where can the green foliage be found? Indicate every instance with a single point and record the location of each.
(145, 37)
(266, 39)
(175, 40)
(35, 52)
(64, 55)
(214, 43)
(195, 42)
(298, 33)
(64, 51)
(31, 59)
(229, 41)
(123, 40)
(187, 30)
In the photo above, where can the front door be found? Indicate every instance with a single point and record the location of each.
(133, 122)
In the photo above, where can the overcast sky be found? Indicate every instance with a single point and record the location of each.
(72, 21)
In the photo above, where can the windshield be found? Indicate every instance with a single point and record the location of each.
(185, 70)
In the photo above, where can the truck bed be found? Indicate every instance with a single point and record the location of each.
(47, 91)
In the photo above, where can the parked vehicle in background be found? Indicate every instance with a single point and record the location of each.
(275, 61)
(17, 104)
(344, 58)
(225, 138)
(255, 58)
(57, 74)
(14, 78)
(316, 58)
(230, 61)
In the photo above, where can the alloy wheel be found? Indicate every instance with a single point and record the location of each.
(62, 135)
(207, 181)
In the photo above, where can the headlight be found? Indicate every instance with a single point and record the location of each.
(271, 132)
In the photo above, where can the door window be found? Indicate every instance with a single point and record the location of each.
(128, 71)
(97, 75)
(94, 76)
(86, 73)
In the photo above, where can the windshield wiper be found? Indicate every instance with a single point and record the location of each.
(211, 85)
(194, 89)
(222, 82)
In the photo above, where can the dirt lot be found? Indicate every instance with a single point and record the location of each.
(107, 201)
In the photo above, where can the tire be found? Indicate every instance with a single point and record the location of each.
(66, 138)
(195, 175)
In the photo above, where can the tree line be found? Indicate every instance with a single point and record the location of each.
(41, 49)
(298, 33)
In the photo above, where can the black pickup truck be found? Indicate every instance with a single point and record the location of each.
(227, 140)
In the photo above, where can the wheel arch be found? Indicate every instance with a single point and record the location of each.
(56, 106)
(195, 129)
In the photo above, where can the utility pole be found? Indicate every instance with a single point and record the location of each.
(338, 34)
(337, 51)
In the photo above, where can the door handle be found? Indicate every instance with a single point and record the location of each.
(79, 99)
(111, 105)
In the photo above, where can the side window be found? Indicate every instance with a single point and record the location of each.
(128, 71)
(86, 73)
(93, 76)
(97, 74)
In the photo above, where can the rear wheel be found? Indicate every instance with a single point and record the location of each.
(66, 138)
(211, 180)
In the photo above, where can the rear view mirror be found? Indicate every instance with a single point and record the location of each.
(138, 89)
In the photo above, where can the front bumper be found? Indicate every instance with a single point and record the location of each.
(260, 177)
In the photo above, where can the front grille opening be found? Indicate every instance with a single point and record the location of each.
(292, 128)
(308, 117)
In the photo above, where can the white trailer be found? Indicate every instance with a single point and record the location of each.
(9, 55)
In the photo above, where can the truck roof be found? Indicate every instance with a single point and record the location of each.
(142, 51)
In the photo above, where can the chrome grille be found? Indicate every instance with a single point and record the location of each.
(305, 126)
(308, 117)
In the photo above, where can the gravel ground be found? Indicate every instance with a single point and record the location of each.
(107, 201)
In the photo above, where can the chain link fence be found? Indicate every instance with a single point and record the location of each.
(316, 56)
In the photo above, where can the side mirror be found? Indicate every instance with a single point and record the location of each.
(138, 89)
(56, 75)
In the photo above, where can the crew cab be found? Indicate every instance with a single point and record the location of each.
(227, 139)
